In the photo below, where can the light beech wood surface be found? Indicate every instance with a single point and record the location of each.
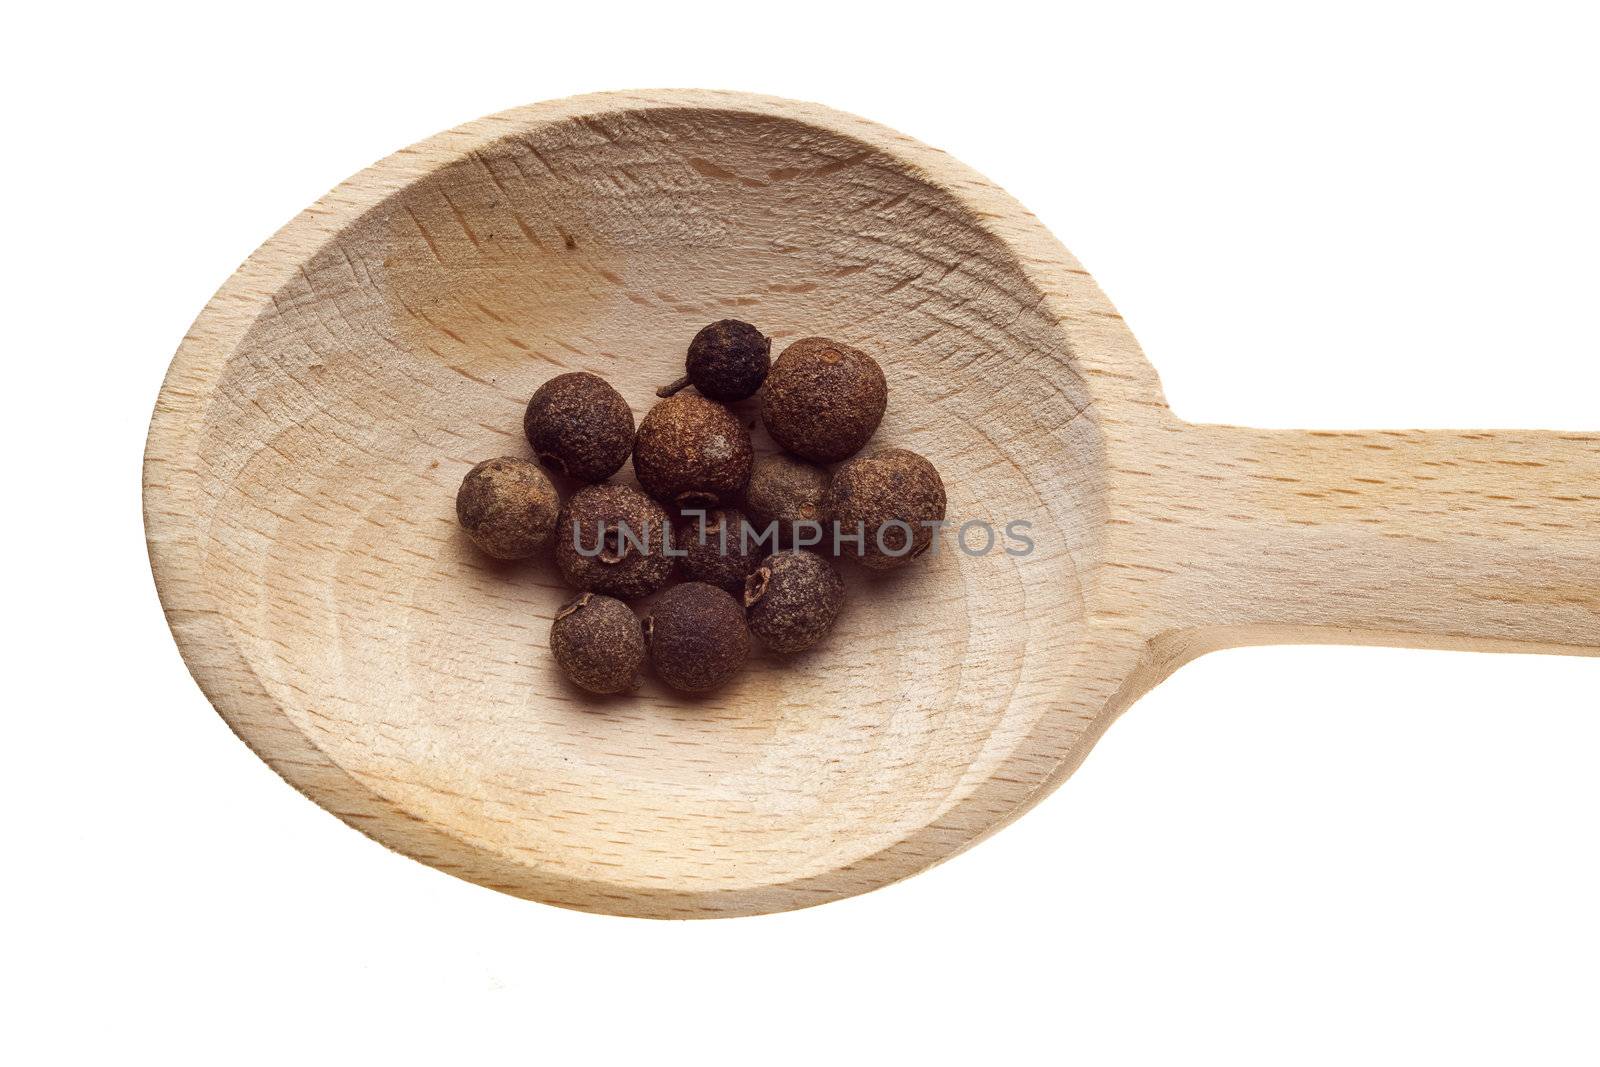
(316, 421)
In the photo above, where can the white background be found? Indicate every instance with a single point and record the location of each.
(1362, 216)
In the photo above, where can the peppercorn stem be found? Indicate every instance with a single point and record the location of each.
(668, 390)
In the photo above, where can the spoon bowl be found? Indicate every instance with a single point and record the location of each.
(308, 441)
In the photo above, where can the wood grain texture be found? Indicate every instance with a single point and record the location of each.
(306, 447)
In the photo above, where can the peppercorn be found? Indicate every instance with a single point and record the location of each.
(611, 539)
(793, 600)
(598, 643)
(885, 498)
(728, 361)
(823, 400)
(697, 637)
(579, 426)
(784, 490)
(508, 507)
(718, 548)
(691, 452)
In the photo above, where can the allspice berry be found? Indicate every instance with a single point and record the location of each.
(612, 539)
(718, 548)
(823, 400)
(598, 643)
(691, 452)
(508, 507)
(697, 637)
(885, 498)
(793, 600)
(579, 426)
(728, 361)
(784, 490)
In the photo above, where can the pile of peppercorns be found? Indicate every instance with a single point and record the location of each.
(821, 402)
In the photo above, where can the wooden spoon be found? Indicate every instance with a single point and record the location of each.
(307, 445)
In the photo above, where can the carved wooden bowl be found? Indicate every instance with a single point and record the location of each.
(307, 445)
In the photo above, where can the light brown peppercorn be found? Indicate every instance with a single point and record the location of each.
(728, 361)
(823, 400)
(793, 600)
(697, 637)
(579, 426)
(611, 539)
(717, 549)
(598, 643)
(691, 452)
(508, 507)
(784, 490)
(880, 496)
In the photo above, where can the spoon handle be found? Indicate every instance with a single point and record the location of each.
(1424, 538)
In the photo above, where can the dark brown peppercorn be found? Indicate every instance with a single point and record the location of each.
(697, 637)
(691, 452)
(598, 643)
(717, 549)
(579, 427)
(728, 361)
(508, 507)
(784, 490)
(823, 400)
(612, 539)
(880, 496)
(793, 600)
